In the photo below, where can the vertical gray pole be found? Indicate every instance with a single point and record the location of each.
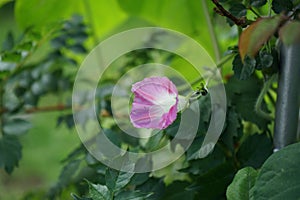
(287, 105)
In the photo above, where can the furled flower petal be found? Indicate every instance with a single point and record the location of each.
(155, 103)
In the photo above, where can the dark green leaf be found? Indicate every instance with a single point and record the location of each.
(257, 3)
(116, 180)
(178, 191)
(3, 2)
(255, 150)
(9, 42)
(154, 186)
(282, 5)
(139, 179)
(243, 94)
(16, 126)
(243, 70)
(99, 192)
(132, 195)
(279, 176)
(213, 184)
(238, 10)
(204, 165)
(30, 99)
(58, 42)
(242, 183)
(77, 48)
(75, 197)
(266, 59)
(233, 129)
(10, 152)
(65, 178)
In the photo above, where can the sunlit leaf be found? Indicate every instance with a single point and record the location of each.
(39, 13)
(257, 34)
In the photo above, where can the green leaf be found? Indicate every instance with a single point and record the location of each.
(26, 46)
(116, 180)
(77, 48)
(213, 184)
(154, 141)
(257, 3)
(238, 10)
(233, 129)
(132, 195)
(3, 2)
(9, 42)
(242, 183)
(39, 13)
(279, 176)
(243, 70)
(265, 60)
(16, 127)
(290, 33)
(75, 197)
(10, 152)
(11, 57)
(204, 165)
(99, 192)
(37, 88)
(154, 186)
(178, 191)
(255, 150)
(279, 6)
(244, 94)
(66, 176)
(257, 34)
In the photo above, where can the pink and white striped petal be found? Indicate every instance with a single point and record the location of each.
(155, 103)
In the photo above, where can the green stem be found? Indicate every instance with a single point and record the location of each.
(260, 99)
(211, 31)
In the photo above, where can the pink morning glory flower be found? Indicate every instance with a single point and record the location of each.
(155, 103)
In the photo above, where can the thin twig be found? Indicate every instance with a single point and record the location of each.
(222, 11)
